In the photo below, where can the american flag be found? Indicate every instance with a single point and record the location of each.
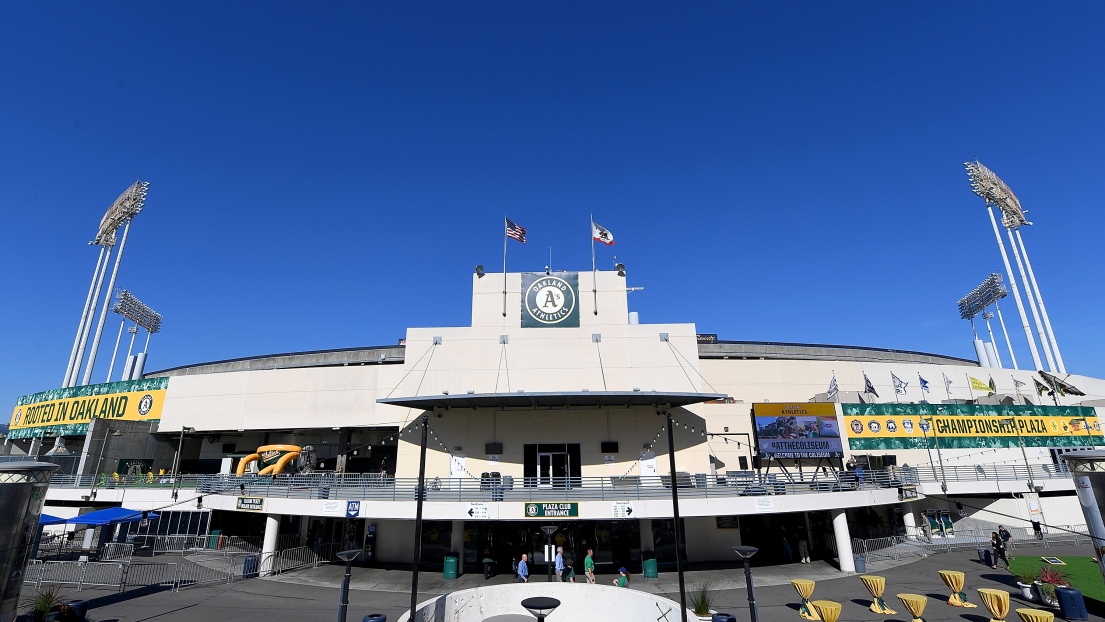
(515, 231)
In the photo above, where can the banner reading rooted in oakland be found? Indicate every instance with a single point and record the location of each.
(968, 426)
(797, 430)
(66, 412)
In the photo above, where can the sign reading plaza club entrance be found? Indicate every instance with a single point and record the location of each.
(552, 510)
(550, 300)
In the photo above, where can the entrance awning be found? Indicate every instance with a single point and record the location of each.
(553, 400)
(110, 516)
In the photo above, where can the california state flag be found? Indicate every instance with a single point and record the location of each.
(601, 234)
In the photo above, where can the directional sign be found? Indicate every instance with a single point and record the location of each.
(352, 509)
(477, 510)
(623, 509)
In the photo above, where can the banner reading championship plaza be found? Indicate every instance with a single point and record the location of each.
(968, 426)
(67, 412)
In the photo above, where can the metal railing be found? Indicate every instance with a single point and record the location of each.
(921, 543)
(117, 552)
(175, 575)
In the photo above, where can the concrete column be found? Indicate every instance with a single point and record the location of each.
(645, 526)
(909, 520)
(304, 525)
(6, 447)
(268, 549)
(843, 541)
(456, 544)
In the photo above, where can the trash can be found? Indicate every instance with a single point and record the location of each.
(451, 566)
(488, 567)
(250, 566)
(375, 617)
(1071, 604)
(985, 556)
(723, 617)
(213, 539)
(861, 563)
(648, 569)
(79, 609)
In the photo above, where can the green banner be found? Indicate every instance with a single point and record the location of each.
(550, 300)
(880, 427)
(552, 510)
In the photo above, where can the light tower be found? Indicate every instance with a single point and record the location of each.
(993, 190)
(121, 212)
(974, 303)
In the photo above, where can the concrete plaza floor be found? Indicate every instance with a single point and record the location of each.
(311, 595)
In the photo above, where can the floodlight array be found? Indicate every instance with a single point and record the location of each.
(986, 184)
(987, 293)
(123, 209)
(130, 307)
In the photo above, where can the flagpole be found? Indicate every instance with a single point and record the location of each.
(1016, 388)
(969, 387)
(504, 265)
(922, 387)
(594, 271)
(947, 385)
(895, 385)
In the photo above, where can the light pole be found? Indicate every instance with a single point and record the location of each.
(540, 606)
(420, 495)
(675, 519)
(549, 531)
(746, 553)
(1020, 441)
(936, 438)
(176, 460)
(343, 595)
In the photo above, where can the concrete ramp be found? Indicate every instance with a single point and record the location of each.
(578, 601)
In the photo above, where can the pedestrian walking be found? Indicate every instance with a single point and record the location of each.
(803, 548)
(569, 574)
(623, 578)
(1037, 530)
(1007, 538)
(998, 547)
(523, 569)
(559, 563)
(589, 566)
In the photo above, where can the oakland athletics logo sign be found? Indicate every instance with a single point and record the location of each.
(550, 301)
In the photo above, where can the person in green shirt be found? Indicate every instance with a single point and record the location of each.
(623, 579)
(589, 566)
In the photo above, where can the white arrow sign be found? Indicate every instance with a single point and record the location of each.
(477, 511)
(623, 509)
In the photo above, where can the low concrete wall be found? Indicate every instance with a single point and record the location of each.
(578, 601)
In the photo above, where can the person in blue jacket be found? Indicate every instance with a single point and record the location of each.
(523, 569)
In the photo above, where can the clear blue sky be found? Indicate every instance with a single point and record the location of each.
(324, 175)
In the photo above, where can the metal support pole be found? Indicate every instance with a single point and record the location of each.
(72, 379)
(675, 520)
(420, 493)
(939, 455)
(343, 596)
(1008, 343)
(115, 352)
(753, 610)
(1016, 292)
(986, 317)
(84, 317)
(176, 464)
(103, 312)
(1024, 454)
(1043, 309)
(1032, 304)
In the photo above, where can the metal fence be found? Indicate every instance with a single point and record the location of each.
(174, 575)
(922, 544)
(117, 552)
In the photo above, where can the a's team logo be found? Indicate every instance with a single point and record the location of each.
(924, 425)
(857, 426)
(145, 404)
(1054, 426)
(531, 509)
(550, 299)
(18, 416)
(874, 426)
(907, 425)
(1066, 426)
(891, 425)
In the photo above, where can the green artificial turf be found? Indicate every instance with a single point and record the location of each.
(1083, 571)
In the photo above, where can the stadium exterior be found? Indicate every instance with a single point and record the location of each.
(549, 409)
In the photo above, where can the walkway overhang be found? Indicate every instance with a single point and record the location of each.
(554, 400)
